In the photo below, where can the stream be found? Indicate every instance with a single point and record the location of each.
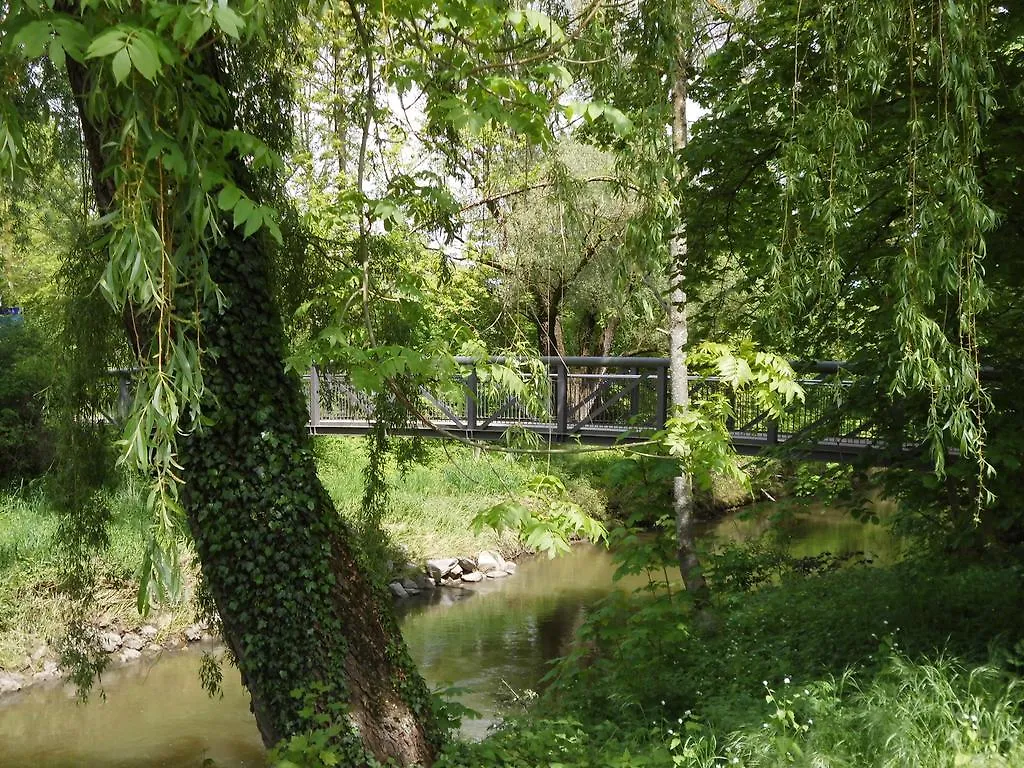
(491, 641)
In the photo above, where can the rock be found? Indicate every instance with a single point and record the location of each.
(207, 637)
(467, 565)
(474, 576)
(148, 632)
(26, 663)
(441, 567)
(398, 590)
(510, 568)
(410, 585)
(50, 671)
(154, 648)
(11, 682)
(128, 654)
(172, 643)
(40, 653)
(194, 633)
(425, 583)
(488, 561)
(500, 573)
(109, 641)
(133, 641)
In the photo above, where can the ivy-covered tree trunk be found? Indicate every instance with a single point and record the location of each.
(315, 641)
(308, 629)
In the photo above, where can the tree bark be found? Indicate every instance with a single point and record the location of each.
(314, 639)
(297, 609)
(682, 486)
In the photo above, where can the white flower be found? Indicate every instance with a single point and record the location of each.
(785, 680)
(764, 683)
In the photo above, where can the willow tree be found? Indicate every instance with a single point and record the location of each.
(856, 160)
(180, 109)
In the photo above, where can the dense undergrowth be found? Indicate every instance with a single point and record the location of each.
(911, 665)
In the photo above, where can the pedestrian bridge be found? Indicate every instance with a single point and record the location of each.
(604, 400)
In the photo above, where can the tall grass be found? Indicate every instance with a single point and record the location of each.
(433, 503)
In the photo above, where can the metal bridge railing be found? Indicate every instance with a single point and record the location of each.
(591, 399)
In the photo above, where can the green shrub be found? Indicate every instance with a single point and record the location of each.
(26, 372)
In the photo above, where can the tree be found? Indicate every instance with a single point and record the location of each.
(182, 177)
(854, 167)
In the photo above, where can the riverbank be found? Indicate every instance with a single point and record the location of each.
(430, 510)
(431, 506)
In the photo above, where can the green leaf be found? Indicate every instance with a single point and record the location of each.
(144, 58)
(253, 223)
(228, 197)
(244, 209)
(229, 21)
(121, 65)
(32, 37)
(57, 53)
(621, 124)
(111, 41)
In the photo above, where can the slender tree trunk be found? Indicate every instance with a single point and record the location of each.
(312, 637)
(682, 486)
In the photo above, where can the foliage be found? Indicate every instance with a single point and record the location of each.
(26, 444)
(637, 652)
(546, 519)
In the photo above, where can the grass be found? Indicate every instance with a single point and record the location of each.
(32, 607)
(433, 503)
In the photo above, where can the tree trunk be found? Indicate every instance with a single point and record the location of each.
(299, 614)
(313, 638)
(682, 486)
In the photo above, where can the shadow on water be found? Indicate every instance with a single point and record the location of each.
(489, 640)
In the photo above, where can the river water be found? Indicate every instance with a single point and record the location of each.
(493, 641)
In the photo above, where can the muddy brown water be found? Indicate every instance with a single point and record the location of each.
(494, 642)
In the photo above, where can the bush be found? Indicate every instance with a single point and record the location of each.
(26, 372)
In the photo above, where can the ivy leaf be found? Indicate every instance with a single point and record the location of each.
(121, 65)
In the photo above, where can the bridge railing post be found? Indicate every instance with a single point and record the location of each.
(124, 403)
(661, 415)
(773, 432)
(472, 394)
(314, 398)
(562, 397)
(634, 393)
